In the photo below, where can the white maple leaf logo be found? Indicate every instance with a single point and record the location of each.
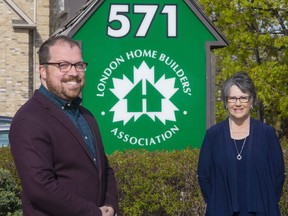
(141, 90)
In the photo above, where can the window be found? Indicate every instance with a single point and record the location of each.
(61, 6)
(4, 130)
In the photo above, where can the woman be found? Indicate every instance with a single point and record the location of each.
(241, 167)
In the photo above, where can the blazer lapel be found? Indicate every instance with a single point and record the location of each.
(60, 116)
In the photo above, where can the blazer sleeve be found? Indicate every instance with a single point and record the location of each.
(204, 168)
(32, 154)
(277, 162)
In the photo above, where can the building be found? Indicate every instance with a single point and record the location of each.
(25, 24)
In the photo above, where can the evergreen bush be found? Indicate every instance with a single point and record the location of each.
(149, 183)
(158, 183)
(10, 202)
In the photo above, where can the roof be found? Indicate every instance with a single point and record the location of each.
(72, 26)
(25, 21)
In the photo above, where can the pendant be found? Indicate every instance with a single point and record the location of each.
(239, 157)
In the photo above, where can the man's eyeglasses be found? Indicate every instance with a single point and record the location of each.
(66, 66)
(242, 99)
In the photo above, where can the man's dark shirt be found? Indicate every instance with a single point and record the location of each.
(70, 108)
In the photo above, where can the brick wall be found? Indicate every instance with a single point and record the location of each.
(19, 75)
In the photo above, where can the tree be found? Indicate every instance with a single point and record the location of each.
(257, 31)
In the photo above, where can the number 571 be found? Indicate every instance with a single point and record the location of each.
(117, 13)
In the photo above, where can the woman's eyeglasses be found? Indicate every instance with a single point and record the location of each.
(242, 99)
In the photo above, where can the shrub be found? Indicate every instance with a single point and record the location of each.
(149, 183)
(165, 183)
(7, 163)
(9, 194)
(284, 197)
(158, 183)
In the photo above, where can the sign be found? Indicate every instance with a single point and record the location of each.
(146, 79)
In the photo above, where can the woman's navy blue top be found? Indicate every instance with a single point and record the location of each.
(251, 186)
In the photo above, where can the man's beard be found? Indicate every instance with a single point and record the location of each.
(63, 92)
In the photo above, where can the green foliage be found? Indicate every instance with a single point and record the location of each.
(284, 198)
(149, 183)
(9, 194)
(158, 183)
(7, 163)
(165, 183)
(257, 32)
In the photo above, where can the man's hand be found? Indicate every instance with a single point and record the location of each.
(107, 211)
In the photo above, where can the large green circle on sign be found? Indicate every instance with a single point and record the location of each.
(146, 80)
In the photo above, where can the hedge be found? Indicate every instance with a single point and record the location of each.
(158, 183)
(152, 183)
(10, 203)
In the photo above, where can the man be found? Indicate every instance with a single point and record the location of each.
(56, 143)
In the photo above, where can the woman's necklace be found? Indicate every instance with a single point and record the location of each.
(239, 156)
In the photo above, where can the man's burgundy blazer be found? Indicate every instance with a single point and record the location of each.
(58, 175)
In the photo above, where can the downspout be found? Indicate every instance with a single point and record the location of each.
(34, 48)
